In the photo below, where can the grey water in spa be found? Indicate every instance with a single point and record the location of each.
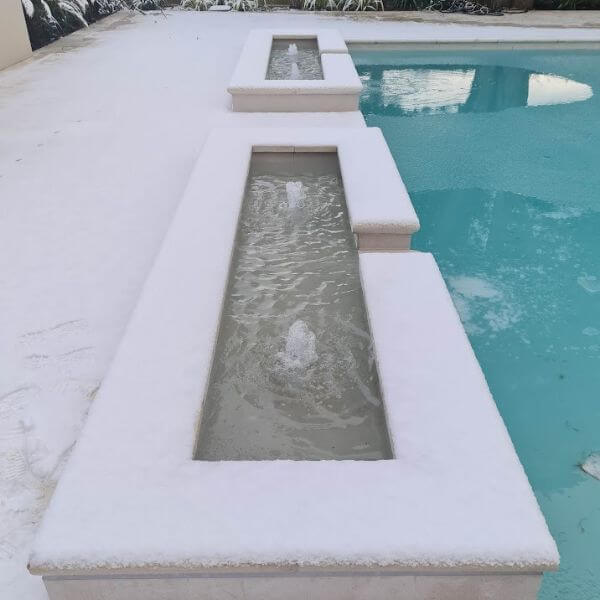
(295, 60)
(294, 375)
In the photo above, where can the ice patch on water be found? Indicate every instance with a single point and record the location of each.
(481, 305)
(502, 318)
(473, 287)
(591, 465)
(590, 331)
(479, 233)
(590, 283)
(294, 71)
(295, 194)
(466, 314)
(566, 213)
(293, 50)
(300, 347)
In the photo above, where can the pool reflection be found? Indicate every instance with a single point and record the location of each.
(433, 89)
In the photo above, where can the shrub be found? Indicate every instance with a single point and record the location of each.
(47, 20)
(343, 5)
(196, 4)
(241, 5)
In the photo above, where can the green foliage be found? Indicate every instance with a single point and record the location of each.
(47, 20)
(407, 4)
(196, 4)
(343, 5)
(577, 4)
(241, 5)
(143, 4)
(360, 5)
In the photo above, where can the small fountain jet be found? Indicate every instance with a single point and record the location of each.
(300, 347)
(295, 71)
(295, 194)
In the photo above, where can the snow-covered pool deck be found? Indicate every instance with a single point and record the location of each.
(95, 152)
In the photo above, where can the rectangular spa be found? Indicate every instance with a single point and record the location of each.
(441, 510)
(294, 71)
(294, 375)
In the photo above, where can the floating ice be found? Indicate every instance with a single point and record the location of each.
(473, 287)
(590, 283)
(295, 194)
(294, 71)
(293, 50)
(300, 347)
(591, 465)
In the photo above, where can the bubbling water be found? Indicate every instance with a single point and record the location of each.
(294, 60)
(300, 347)
(295, 194)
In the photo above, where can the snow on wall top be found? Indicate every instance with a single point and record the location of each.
(454, 497)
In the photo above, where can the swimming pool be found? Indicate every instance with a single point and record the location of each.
(500, 151)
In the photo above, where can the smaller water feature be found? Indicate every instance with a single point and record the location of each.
(294, 60)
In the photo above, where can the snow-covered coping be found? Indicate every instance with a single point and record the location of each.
(339, 90)
(132, 504)
(379, 208)
(473, 44)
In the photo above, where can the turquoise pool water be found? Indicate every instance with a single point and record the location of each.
(500, 151)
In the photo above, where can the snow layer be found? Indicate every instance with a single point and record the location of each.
(376, 197)
(455, 495)
(97, 143)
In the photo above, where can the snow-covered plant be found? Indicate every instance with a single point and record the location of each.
(196, 4)
(47, 20)
(28, 8)
(242, 5)
(358, 5)
(107, 7)
(321, 4)
(144, 4)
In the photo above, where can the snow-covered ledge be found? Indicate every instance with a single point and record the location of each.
(251, 91)
(133, 517)
(379, 208)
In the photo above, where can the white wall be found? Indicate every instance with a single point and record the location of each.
(14, 39)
